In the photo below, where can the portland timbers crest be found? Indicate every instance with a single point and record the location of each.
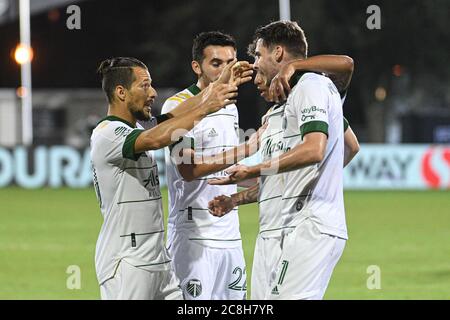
(194, 288)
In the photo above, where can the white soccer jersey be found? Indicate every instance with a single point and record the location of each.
(316, 191)
(271, 186)
(127, 188)
(188, 201)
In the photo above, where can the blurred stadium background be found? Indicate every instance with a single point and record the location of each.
(396, 189)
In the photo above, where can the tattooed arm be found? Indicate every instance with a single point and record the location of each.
(221, 205)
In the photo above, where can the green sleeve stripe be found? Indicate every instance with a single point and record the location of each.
(346, 125)
(128, 145)
(314, 126)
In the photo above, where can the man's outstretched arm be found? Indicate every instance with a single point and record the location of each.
(338, 68)
(216, 97)
(200, 166)
(310, 152)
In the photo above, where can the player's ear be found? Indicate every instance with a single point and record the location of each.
(278, 53)
(120, 92)
(196, 68)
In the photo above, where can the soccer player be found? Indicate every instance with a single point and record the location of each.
(131, 259)
(207, 251)
(311, 158)
(269, 189)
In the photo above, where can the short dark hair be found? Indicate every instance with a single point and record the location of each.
(285, 33)
(210, 38)
(118, 71)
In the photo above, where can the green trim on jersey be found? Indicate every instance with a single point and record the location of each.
(314, 126)
(194, 89)
(128, 145)
(114, 118)
(296, 78)
(346, 124)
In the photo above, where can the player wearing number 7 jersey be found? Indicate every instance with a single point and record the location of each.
(275, 142)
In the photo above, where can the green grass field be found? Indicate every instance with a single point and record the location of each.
(405, 234)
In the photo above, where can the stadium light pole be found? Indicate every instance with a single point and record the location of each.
(24, 56)
(285, 9)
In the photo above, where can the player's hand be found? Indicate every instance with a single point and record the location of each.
(236, 174)
(218, 95)
(220, 206)
(255, 140)
(236, 73)
(279, 86)
(242, 72)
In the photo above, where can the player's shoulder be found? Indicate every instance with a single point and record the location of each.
(311, 82)
(313, 79)
(268, 113)
(112, 127)
(176, 99)
(181, 95)
(230, 109)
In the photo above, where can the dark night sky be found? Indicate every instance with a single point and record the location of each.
(160, 34)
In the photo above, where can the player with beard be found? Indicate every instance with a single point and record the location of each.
(131, 259)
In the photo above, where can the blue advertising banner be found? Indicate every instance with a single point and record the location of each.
(377, 166)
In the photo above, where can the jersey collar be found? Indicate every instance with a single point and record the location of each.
(194, 89)
(114, 118)
(296, 78)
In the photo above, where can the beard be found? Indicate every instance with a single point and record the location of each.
(138, 114)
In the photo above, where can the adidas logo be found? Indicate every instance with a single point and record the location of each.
(212, 133)
(275, 291)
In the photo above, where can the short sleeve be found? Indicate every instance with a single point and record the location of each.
(117, 141)
(346, 124)
(310, 100)
(129, 143)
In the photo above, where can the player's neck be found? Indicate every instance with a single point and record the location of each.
(121, 113)
(201, 83)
